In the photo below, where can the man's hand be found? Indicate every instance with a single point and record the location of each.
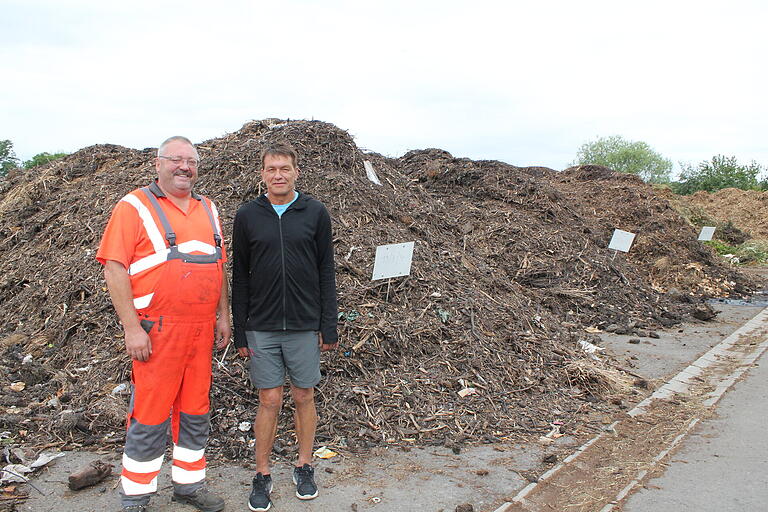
(138, 344)
(244, 352)
(222, 332)
(325, 347)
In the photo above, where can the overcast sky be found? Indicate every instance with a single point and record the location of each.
(522, 82)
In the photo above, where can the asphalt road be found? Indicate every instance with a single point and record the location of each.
(723, 464)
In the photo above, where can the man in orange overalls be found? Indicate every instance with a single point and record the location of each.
(164, 266)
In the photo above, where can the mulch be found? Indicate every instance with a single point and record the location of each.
(729, 207)
(510, 267)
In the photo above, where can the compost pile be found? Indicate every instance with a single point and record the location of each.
(666, 252)
(549, 232)
(745, 209)
(481, 342)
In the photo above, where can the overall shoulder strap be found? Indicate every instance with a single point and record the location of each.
(170, 236)
(214, 226)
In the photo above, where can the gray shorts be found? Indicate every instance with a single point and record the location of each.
(272, 352)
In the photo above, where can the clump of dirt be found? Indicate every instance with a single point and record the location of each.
(475, 345)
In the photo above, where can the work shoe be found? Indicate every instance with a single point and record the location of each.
(259, 500)
(202, 498)
(304, 478)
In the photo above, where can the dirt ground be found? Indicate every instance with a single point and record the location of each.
(397, 478)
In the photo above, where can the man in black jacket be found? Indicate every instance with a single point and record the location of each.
(284, 308)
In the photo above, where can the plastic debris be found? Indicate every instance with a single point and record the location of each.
(14, 473)
(349, 317)
(371, 173)
(44, 458)
(590, 349)
(244, 426)
(120, 389)
(324, 453)
(466, 392)
(555, 432)
(220, 362)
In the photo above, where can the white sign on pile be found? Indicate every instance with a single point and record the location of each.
(621, 240)
(706, 233)
(393, 260)
(371, 173)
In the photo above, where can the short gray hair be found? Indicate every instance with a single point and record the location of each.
(176, 138)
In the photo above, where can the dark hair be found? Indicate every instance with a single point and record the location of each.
(280, 149)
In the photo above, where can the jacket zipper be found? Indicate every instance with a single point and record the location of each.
(282, 263)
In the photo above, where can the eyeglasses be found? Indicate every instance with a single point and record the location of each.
(175, 160)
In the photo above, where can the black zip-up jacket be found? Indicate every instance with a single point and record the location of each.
(283, 275)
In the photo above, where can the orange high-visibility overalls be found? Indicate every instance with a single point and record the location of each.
(173, 385)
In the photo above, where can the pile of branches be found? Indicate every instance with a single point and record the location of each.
(510, 266)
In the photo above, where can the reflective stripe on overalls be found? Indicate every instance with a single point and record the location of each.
(172, 386)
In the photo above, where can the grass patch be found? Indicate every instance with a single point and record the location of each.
(754, 251)
(720, 247)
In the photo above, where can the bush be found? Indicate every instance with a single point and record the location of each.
(719, 173)
(42, 158)
(8, 158)
(626, 156)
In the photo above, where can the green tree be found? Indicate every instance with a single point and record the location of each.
(718, 173)
(42, 158)
(8, 158)
(626, 156)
